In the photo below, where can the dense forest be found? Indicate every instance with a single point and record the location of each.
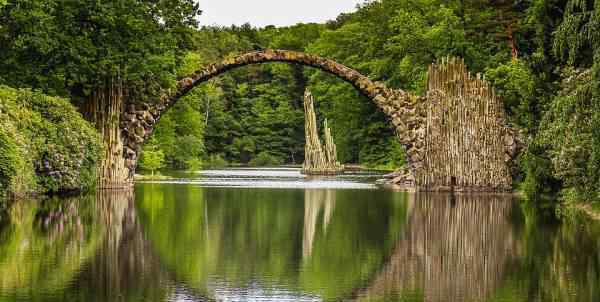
(255, 114)
(543, 57)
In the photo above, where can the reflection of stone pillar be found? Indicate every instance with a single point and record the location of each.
(329, 207)
(124, 265)
(455, 249)
(314, 200)
(111, 207)
(312, 205)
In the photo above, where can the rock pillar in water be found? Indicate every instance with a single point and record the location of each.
(318, 159)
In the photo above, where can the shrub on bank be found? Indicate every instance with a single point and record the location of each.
(215, 161)
(265, 159)
(45, 144)
(193, 164)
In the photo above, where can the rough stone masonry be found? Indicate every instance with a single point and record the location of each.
(455, 137)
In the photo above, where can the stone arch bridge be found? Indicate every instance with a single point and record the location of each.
(455, 136)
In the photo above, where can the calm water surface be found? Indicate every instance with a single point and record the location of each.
(274, 235)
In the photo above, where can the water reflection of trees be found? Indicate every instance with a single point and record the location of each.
(225, 240)
(43, 245)
(83, 248)
(301, 244)
(432, 247)
(560, 262)
(487, 248)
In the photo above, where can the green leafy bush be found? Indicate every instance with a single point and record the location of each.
(9, 159)
(215, 161)
(152, 160)
(570, 135)
(265, 159)
(514, 82)
(193, 164)
(45, 143)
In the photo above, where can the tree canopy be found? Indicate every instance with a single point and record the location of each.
(70, 48)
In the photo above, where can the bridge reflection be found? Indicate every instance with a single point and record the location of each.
(326, 245)
(129, 269)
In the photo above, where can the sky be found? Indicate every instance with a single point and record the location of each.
(260, 13)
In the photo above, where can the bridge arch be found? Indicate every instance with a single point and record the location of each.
(371, 89)
(455, 137)
(138, 120)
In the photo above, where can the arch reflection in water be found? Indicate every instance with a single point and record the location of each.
(195, 244)
(277, 243)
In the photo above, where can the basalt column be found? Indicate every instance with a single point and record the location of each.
(104, 110)
(467, 143)
(330, 148)
(318, 159)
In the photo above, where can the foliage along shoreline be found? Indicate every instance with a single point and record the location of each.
(46, 147)
(542, 56)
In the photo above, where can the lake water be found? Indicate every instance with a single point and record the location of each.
(274, 235)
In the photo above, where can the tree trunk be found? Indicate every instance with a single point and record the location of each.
(104, 110)
(207, 110)
(511, 42)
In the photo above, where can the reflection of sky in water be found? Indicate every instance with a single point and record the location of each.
(288, 178)
(256, 292)
(250, 293)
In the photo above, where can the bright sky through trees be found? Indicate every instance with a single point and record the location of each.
(272, 12)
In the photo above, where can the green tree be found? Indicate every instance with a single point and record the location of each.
(193, 164)
(567, 144)
(101, 55)
(515, 83)
(152, 160)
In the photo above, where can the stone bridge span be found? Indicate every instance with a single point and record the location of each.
(432, 165)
